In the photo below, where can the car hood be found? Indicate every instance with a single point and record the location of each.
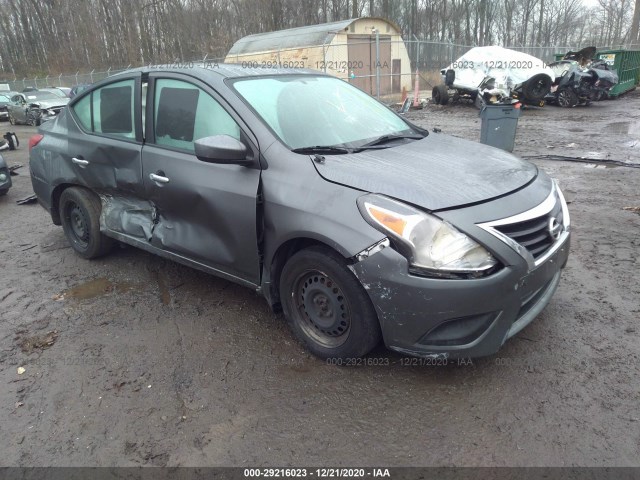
(51, 103)
(435, 173)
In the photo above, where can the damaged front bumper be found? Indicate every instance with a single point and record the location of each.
(429, 317)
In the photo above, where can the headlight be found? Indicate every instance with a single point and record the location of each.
(51, 112)
(432, 246)
(3, 178)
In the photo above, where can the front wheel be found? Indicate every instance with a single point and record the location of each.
(326, 306)
(567, 98)
(80, 215)
(33, 118)
(440, 94)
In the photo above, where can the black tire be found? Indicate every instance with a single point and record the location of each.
(326, 306)
(536, 88)
(567, 98)
(4, 192)
(440, 94)
(80, 214)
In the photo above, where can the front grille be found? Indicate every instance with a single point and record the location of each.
(534, 234)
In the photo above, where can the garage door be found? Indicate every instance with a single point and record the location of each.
(362, 57)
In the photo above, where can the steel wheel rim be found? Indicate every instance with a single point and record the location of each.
(322, 309)
(78, 224)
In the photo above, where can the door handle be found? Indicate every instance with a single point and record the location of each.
(158, 178)
(80, 161)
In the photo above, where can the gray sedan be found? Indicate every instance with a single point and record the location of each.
(34, 108)
(359, 225)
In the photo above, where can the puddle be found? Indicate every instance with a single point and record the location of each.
(96, 288)
(600, 165)
(624, 128)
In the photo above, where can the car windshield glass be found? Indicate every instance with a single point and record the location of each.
(31, 96)
(4, 99)
(560, 68)
(307, 111)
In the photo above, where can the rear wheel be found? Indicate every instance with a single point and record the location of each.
(567, 98)
(440, 94)
(326, 306)
(80, 215)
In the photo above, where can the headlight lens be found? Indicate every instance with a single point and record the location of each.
(3, 178)
(431, 245)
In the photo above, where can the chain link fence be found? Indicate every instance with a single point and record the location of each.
(386, 69)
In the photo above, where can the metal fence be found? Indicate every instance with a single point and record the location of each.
(376, 76)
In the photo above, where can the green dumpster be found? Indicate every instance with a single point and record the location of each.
(627, 64)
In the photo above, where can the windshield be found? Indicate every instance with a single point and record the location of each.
(561, 67)
(306, 111)
(4, 99)
(31, 96)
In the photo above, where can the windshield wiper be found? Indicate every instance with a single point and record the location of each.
(328, 149)
(385, 139)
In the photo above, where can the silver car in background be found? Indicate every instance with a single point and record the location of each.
(34, 108)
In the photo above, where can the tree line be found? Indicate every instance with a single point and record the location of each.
(48, 37)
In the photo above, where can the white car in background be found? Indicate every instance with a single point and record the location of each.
(495, 75)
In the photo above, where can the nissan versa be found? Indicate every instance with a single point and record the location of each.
(358, 224)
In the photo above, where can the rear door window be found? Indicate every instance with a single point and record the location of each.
(109, 110)
(113, 109)
(185, 113)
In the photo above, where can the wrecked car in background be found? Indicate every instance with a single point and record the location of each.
(5, 177)
(580, 80)
(4, 104)
(35, 107)
(279, 180)
(491, 75)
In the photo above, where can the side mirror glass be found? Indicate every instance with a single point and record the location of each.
(223, 149)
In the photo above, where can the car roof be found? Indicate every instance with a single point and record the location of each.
(226, 70)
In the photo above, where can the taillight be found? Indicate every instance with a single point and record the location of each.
(35, 140)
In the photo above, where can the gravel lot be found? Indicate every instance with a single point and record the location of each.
(134, 360)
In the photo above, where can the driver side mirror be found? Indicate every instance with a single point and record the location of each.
(222, 149)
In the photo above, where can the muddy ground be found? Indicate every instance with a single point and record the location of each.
(135, 360)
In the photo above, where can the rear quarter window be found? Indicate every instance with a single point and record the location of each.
(82, 110)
